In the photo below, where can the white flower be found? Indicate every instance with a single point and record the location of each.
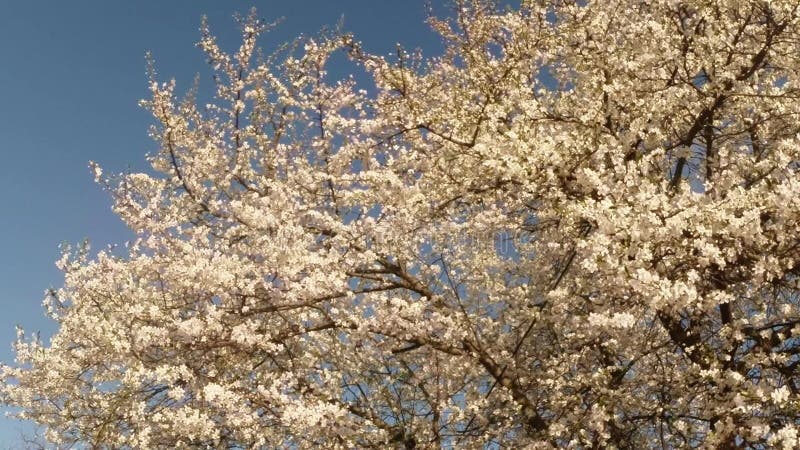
(780, 395)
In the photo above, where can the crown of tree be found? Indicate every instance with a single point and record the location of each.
(578, 227)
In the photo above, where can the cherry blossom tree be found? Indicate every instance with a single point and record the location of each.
(577, 227)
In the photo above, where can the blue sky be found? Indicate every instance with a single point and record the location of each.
(70, 78)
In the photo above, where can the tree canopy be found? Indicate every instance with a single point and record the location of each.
(577, 227)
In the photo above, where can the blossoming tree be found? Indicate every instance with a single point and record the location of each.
(578, 227)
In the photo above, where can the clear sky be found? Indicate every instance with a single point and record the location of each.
(70, 78)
